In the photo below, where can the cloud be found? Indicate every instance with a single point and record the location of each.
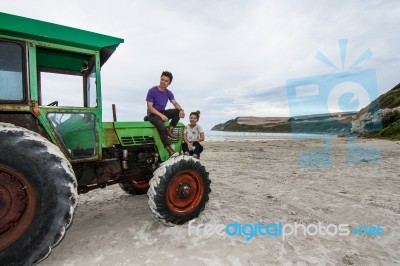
(229, 58)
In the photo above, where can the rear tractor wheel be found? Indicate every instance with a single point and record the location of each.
(37, 196)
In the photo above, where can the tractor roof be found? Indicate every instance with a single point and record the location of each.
(32, 29)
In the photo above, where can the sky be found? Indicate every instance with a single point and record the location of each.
(239, 57)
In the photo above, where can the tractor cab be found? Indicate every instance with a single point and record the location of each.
(53, 72)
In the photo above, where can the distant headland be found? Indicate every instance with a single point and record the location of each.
(381, 118)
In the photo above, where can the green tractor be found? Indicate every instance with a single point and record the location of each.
(54, 144)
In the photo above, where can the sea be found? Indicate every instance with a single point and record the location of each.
(214, 136)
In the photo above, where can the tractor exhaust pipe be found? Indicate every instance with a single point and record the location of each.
(114, 113)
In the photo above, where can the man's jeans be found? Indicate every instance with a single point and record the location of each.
(172, 114)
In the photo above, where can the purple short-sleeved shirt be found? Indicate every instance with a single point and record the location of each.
(159, 98)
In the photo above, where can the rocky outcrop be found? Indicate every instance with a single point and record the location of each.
(375, 121)
(381, 118)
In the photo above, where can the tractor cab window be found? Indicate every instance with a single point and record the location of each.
(67, 82)
(76, 130)
(11, 69)
(66, 79)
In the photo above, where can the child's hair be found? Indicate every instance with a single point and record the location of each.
(197, 114)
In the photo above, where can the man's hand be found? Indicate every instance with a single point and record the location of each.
(179, 107)
(182, 113)
(164, 118)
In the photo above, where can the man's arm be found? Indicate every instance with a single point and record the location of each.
(154, 111)
(178, 106)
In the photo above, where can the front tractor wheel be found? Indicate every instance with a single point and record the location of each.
(37, 196)
(179, 190)
(138, 184)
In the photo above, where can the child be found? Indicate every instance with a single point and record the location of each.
(192, 136)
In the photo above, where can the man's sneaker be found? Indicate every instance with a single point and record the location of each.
(172, 152)
(171, 134)
(195, 156)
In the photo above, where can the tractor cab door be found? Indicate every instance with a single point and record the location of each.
(68, 92)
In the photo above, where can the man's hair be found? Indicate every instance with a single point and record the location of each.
(167, 74)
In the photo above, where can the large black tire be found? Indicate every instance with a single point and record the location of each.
(179, 190)
(37, 196)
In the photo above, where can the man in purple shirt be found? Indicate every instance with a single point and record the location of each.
(157, 99)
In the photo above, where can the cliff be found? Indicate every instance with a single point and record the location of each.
(255, 124)
(338, 123)
(381, 118)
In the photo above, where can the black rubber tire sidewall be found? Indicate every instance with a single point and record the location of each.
(55, 199)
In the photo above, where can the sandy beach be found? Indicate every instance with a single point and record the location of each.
(252, 182)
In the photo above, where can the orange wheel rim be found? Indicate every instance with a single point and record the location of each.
(17, 205)
(185, 192)
(140, 184)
